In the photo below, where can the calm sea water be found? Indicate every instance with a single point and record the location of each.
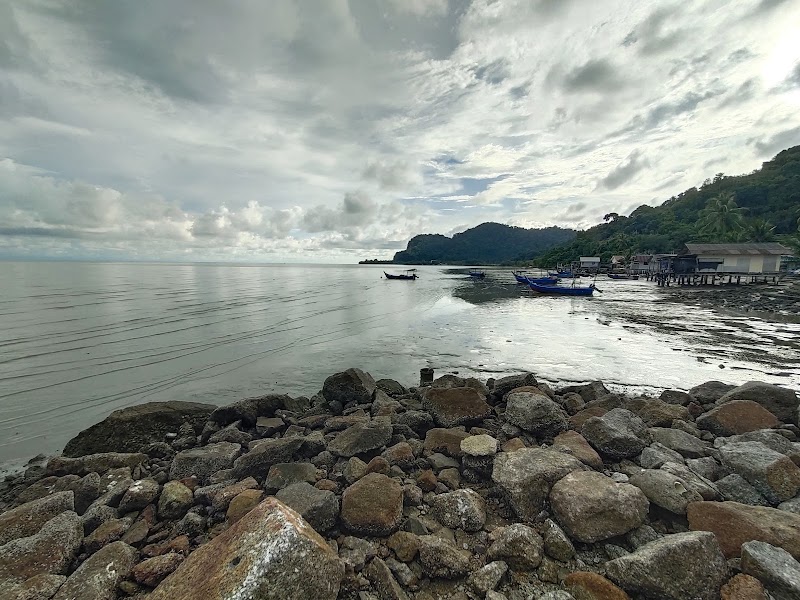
(78, 340)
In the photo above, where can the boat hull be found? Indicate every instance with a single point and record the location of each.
(403, 277)
(553, 290)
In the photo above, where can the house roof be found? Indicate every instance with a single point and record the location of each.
(590, 259)
(767, 248)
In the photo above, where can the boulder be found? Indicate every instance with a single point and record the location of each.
(263, 455)
(734, 524)
(373, 505)
(320, 508)
(27, 519)
(40, 587)
(526, 476)
(248, 410)
(776, 568)
(174, 501)
(770, 438)
(383, 582)
(204, 461)
(128, 429)
(692, 480)
(94, 463)
(736, 416)
(106, 533)
(440, 558)
(676, 397)
(98, 576)
(269, 554)
(285, 474)
(49, 551)
(419, 421)
(584, 585)
(666, 490)
(774, 475)
(743, 587)
(154, 570)
(243, 503)
(361, 438)
(447, 441)
(675, 567)
(479, 446)
(511, 382)
(556, 543)
(710, 391)
(455, 406)
(532, 410)
(138, 495)
(487, 577)
(461, 509)
(573, 443)
(656, 455)
(592, 507)
(781, 402)
(735, 488)
(681, 442)
(617, 434)
(518, 545)
(590, 392)
(352, 385)
(656, 413)
(391, 387)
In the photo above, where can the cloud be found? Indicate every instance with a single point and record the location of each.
(321, 129)
(594, 75)
(624, 171)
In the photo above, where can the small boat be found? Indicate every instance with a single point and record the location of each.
(622, 276)
(520, 276)
(562, 274)
(477, 274)
(406, 275)
(556, 290)
(543, 280)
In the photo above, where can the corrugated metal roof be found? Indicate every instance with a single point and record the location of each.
(768, 248)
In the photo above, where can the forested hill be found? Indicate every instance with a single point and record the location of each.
(758, 207)
(488, 243)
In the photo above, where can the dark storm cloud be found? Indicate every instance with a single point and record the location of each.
(595, 75)
(624, 171)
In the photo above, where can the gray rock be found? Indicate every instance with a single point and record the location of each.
(320, 508)
(204, 461)
(418, 421)
(792, 505)
(707, 467)
(373, 505)
(355, 552)
(590, 392)
(353, 385)
(675, 567)
(487, 577)
(263, 455)
(383, 581)
(96, 516)
(656, 455)
(665, 490)
(440, 558)
(556, 543)
(692, 480)
(774, 475)
(285, 474)
(94, 463)
(174, 501)
(617, 434)
(248, 410)
(49, 551)
(269, 553)
(710, 391)
(735, 488)
(525, 477)
(676, 397)
(534, 412)
(138, 495)
(354, 469)
(27, 519)
(592, 507)
(439, 461)
(555, 595)
(774, 567)
(97, 578)
(781, 402)
(361, 438)
(128, 429)
(681, 442)
(518, 545)
(461, 509)
(391, 387)
(231, 434)
(456, 406)
(505, 384)
(641, 535)
(769, 437)
(479, 446)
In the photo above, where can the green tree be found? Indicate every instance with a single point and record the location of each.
(722, 217)
(760, 230)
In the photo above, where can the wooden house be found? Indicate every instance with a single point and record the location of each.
(737, 259)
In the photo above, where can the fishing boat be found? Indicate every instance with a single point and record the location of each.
(622, 276)
(556, 290)
(477, 274)
(561, 274)
(407, 275)
(521, 277)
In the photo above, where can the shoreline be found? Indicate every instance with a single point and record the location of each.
(496, 489)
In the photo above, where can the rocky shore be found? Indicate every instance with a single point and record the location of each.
(783, 298)
(460, 490)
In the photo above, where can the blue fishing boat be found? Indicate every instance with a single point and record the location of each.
(561, 274)
(408, 275)
(556, 290)
(522, 278)
(477, 274)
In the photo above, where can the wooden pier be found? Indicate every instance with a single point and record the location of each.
(665, 279)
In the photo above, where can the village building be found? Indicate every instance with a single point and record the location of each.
(590, 263)
(738, 259)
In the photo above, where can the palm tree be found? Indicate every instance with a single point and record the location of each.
(760, 230)
(722, 217)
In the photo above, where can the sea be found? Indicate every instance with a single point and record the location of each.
(79, 340)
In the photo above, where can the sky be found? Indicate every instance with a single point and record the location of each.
(335, 130)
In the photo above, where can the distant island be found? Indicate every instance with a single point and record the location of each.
(488, 243)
